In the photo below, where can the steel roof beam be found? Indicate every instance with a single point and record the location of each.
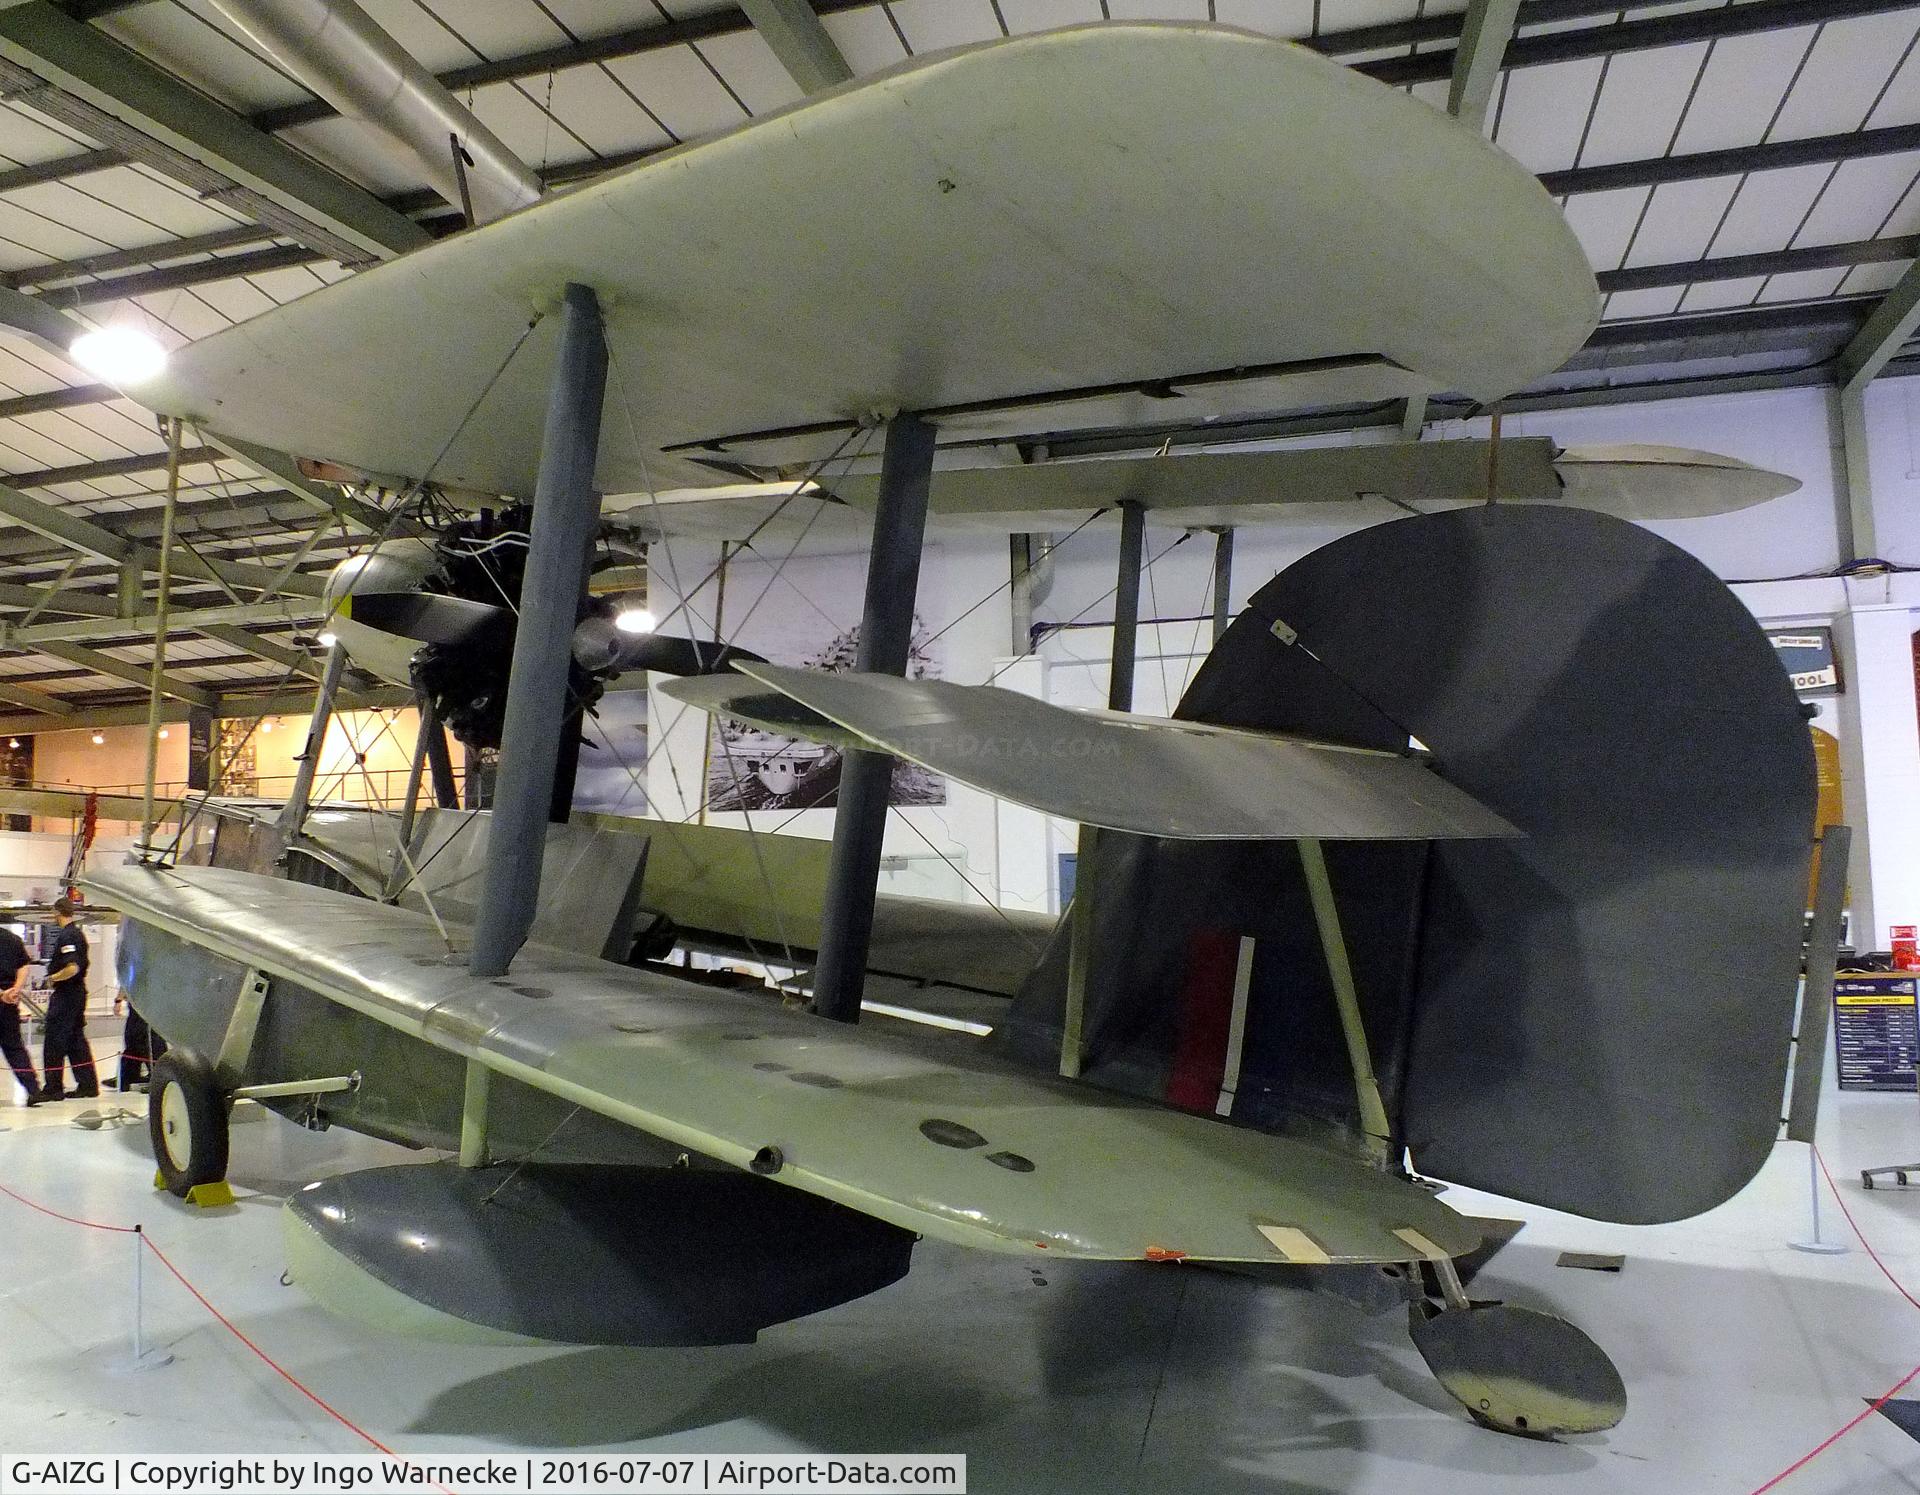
(77, 533)
(119, 669)
(792, 30)
(236, 637)
(1643, 34)
(285, 613)
(72, 73)
(236, 705)
(1815, 150)
(1882, 336)
(34, 700)
(1773, 262)
(83, 604)
(1485, 35)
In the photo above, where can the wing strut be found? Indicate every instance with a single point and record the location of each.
(866, 778)
(566, 513)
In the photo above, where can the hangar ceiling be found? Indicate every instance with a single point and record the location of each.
(1744, 174)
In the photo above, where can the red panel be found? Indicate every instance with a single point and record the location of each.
(1205, 1018)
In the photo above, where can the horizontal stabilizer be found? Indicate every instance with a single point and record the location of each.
(1147, 775)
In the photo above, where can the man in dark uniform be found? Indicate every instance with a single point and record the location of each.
(14, 963)
(66, 955)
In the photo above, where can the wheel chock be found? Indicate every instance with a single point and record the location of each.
(210, 1196)
(159, 1179)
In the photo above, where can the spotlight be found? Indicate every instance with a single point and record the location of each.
(119, 355)
(633, 620)
(13, 742)
(265, 725)
(99, 739)
(328, 639)
(163, 734)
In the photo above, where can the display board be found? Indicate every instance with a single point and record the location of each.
(1875, 1032)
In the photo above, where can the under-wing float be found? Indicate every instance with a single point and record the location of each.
(1408, 882)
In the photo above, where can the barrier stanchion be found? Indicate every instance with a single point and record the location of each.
(143, 1358)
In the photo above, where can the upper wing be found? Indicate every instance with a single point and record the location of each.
(971, 1152)
(1161, 214)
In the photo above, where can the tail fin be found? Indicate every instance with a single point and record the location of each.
(1592, 1017)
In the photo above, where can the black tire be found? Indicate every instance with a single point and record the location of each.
(186, 1122)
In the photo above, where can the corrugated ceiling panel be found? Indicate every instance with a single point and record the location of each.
(32, 137)
(865, 38)
(1872, 279)
(1801, 286)
(930, 25)
(1767, 208)
(235, 298)
(28, 238)
(1604, 222)
(1858, 198)
(1640, 104)
(1717, 295)
(681, 91)
(1745, 80)
(85, 443)
(1846, 70)
(1680, 221)
(1040, 15)
(750, 69)
(517, 114)
(601, 114)
(90, 210)
(286, 285)
(1157, 10)
(186, 312)
(417, 27)
(1544, 110)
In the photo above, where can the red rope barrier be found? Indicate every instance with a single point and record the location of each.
(272, 1364)
(70, 1219)
(224, 1322)
(1892, 1391)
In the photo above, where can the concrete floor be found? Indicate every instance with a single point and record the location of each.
(1739, 1354)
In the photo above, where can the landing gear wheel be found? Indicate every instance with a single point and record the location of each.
(187, 1122)
(1518, 1371)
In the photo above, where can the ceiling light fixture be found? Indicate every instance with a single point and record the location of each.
(328, 639)
(633, 620)
(119, 355)
(99, 739)
(163, 734)
(13, 742)
(266, 726)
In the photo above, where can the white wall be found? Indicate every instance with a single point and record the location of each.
(1010, 853)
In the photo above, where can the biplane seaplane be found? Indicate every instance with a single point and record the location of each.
(1403, 883)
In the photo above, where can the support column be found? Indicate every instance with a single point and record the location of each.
(566, 513)
(1222, 582)
(1859, 540)
(1880, 764)
(886, 633)
(1126, 607)
(317, 724)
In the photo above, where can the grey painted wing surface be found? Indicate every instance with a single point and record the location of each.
(1059, 211)
(981, 1155)
(1146, 775)
(1665, 482)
